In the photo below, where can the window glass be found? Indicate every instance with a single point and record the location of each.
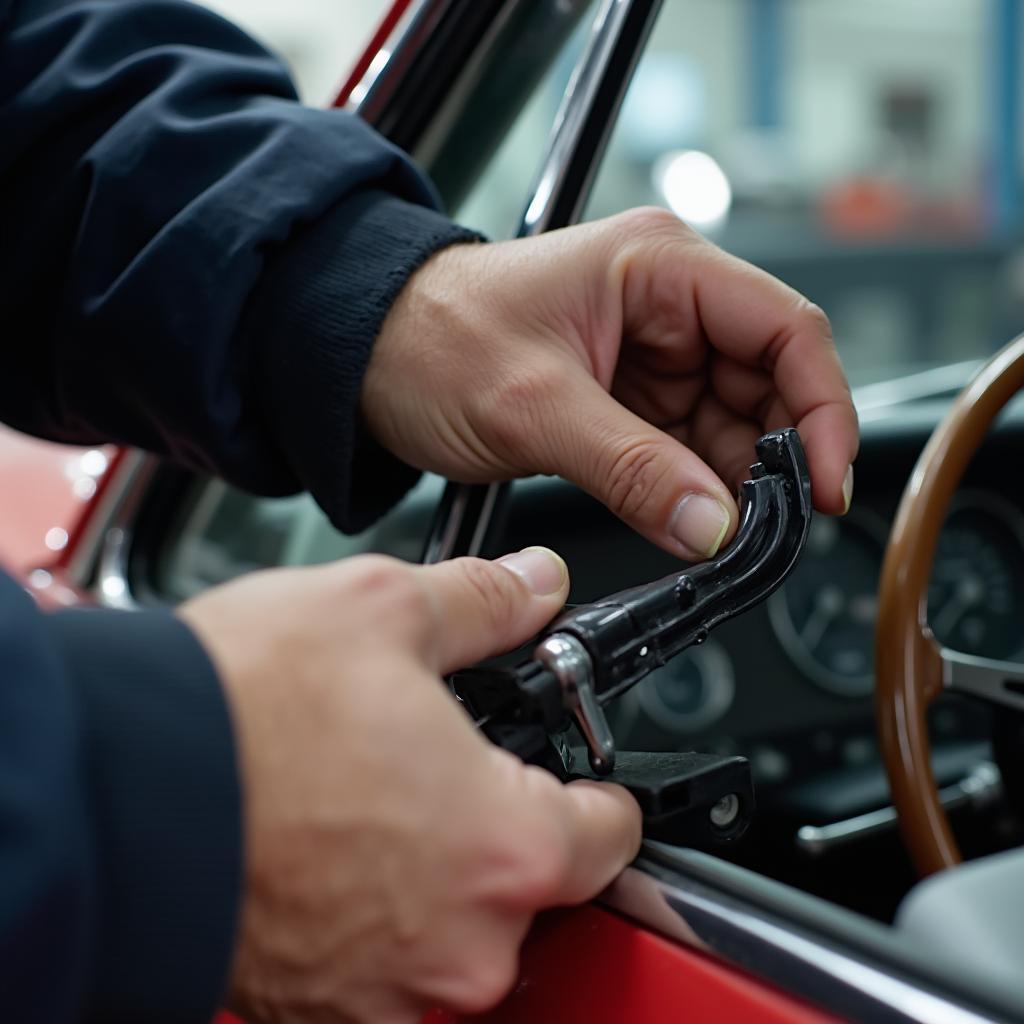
(496, 204)
(226, 532)
(867, 153)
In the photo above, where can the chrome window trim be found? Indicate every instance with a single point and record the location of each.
(575, 146)
(374, 92)
(435, 136)
(111, 586)
(569, 149)
(378, 81)
(669, 891)
(97, 551)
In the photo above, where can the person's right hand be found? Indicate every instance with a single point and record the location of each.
(394, 858)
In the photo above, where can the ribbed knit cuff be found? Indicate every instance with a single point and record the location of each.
(165, 804)
(312, 323)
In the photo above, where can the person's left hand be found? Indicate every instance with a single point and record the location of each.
(629, 355)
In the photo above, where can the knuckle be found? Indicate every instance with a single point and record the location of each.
(387, 582)
(816, 318)
(633, 478)
(807, 316)
(654, 220)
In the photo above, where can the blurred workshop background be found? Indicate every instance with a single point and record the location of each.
(870, 153)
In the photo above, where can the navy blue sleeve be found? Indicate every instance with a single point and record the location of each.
(165, 201)
(120, 834)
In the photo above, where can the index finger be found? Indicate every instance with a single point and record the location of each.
(687, 288)
(756, 319)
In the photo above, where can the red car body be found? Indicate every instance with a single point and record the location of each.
(40, 477)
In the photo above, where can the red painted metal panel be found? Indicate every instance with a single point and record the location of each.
(589, 966)
(36, 493)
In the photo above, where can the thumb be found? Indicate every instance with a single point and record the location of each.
(646, 477)
(484, 608)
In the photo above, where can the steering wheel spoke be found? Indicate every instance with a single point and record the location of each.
(998, 682)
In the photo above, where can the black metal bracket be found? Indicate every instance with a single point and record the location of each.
(687, 799)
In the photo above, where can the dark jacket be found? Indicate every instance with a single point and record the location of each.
(192, 262)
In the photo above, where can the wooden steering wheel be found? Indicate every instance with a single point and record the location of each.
(911, 667)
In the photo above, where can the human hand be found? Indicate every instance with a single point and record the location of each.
(394, 858)
(497, 362)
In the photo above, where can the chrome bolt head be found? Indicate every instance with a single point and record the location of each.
(726, 811)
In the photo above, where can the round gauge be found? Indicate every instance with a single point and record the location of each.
(977, 586)
(692, 691)
(824, 615)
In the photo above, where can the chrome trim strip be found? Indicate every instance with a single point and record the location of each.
(863, 992)
(571, 134)
(854, 983)
(111, 586)
(979, 788)
(490, 502)
(426, 151)
(444, 536)
(571, 121)
(131, 473)
(382, 73)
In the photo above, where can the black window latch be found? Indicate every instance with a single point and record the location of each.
(593, 653)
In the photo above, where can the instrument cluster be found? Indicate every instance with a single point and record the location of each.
(823, 617)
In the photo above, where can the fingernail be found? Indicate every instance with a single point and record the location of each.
(540, 569)
(700, 523)
(847, 489)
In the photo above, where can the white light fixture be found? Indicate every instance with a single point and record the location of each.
(695, 188)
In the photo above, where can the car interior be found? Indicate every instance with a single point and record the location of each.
(869, 155)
